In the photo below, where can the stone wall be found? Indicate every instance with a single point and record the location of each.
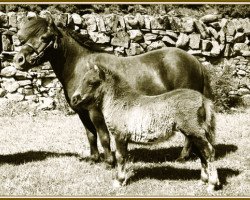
(211, 38)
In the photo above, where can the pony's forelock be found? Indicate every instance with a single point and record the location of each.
(33, 27)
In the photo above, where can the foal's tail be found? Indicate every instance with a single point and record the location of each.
(209, 120)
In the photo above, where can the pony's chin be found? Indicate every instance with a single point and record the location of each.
(24, 68)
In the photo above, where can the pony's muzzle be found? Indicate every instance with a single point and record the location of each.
(19, 60)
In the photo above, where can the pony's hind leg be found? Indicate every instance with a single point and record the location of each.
(206, 153)
(121, 157)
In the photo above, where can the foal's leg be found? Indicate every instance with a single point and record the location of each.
(91, 134)
(99, 123)
(121, 157)
(186, 151)
(206, 154)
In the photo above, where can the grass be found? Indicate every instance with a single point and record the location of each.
(42, 156)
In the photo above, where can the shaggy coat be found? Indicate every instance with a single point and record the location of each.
(133, 117)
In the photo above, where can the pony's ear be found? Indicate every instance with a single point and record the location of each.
(52, 31)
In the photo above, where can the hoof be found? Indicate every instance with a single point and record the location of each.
(210, 189)
(180, 159)
(109, 165)
(117, 184)
(200, 183)
(91, 159)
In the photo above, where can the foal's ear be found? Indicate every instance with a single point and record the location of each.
(100, 72)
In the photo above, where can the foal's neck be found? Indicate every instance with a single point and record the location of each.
(116, 89)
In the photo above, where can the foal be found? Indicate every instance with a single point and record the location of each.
(133, 117)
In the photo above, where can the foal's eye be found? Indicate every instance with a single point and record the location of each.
(93, 83)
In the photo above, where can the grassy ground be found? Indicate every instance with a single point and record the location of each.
(41, 156)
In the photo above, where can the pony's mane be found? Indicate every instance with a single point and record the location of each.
(84, 40)
(38, 26)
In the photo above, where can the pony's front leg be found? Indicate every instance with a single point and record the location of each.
(102, 130)
(91, 135)
(121, 157)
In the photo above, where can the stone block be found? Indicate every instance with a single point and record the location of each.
(245, 99)
(121, 38)
(239, 37)
(24, 82)
(206, 45)
(230, 29)
(135, 35)
(141, 20)
(159, 23)
(182, 40)
(187, 25)
(8, 71)
(7, 43)
(215, 51)
(240, 46)
(15, 96)
(131, 21)
(20, 18)
(90, 22)
(194, 52)
(31, 14)
(202, 29)
(76, 19)
(46, 103)
(156, 45)
(168, 40)
(238, 25)
(109, 21)
(194, 41)
(147, 20)
(61, 19)
(2, 92)
(209, 18)
(4, 21)
(134, 49)
(12, 19)
(100, 38)
(171, 34)
(100, 24)
(10, 85)
(150, 37)
(213, 32)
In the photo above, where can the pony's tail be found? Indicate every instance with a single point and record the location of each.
(209, 120)
(207, 90)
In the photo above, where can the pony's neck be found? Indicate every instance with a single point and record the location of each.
(63, 60)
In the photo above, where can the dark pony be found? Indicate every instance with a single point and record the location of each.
(151, 73)
(134, 117)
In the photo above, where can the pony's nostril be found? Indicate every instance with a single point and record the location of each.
(20, 59)
(75, 99)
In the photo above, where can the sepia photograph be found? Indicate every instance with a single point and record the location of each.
(129, 99)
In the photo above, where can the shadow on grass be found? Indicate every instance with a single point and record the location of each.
(172, 173)
(31, 156)
(171, 154)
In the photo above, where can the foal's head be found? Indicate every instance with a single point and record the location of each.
(88, 91)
